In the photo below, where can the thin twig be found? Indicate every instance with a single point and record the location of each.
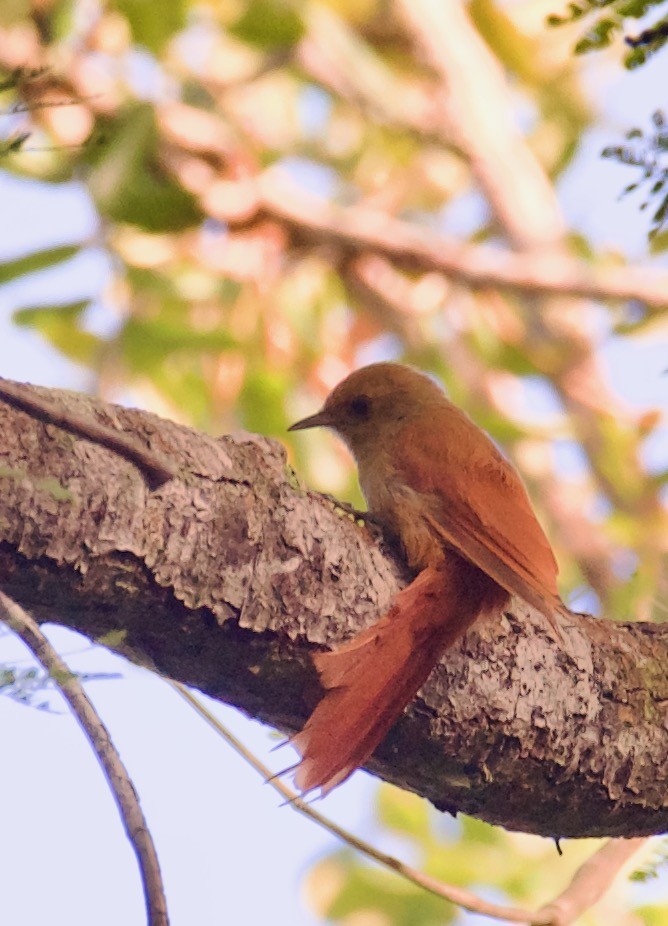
(587, 885)
(449, 892)
(156, 470)
(120, 783)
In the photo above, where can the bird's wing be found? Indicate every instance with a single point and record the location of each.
(479, 505)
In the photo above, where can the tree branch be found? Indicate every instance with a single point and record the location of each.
(481, 120)
(227, 577)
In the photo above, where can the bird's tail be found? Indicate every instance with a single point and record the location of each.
(370, 680)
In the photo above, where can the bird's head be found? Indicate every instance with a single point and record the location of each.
(374, 403)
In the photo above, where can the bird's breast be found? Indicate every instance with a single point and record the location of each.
(402, 511)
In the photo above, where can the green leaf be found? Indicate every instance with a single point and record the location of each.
(393, 901)
(40, 260)
(170, 354)
(269, 24)
(63, 18)
(659, 216)
(153, 24)
(185, 386)
(481, 833)
(128, 183)
(261, 401)
(147, 340)
(659, 244)
(653, 914)
(635, 58)
(59, 324)
(403, 812)
(635, 8)
(598, 37)
(113, 639)
(43, 315)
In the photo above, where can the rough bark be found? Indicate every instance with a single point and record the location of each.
(227, 577)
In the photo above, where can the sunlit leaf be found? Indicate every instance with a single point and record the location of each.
(393, 901)
(39, 260)
(153, 24)
(128, 183)
(403, 812)
(262, 402)
(658, 244)
(146, 338)
(59, 324)
(269, 23)
(652, 914)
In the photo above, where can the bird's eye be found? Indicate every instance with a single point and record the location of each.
(360, 406)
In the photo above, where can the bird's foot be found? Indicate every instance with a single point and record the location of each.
(362, 518)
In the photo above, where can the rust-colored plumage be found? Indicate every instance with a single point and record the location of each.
(465, 522)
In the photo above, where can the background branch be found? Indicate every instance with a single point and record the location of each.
(590, 882)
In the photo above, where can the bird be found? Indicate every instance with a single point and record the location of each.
(461, 515)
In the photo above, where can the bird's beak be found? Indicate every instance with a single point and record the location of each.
(321, 419)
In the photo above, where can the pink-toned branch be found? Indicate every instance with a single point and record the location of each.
(590, 882)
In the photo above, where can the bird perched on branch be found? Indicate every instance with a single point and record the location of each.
(463, 518)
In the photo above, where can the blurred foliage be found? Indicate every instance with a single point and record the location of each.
(25, 686)
(127, 181)
(608, 20)
(269, 24)
(652, 867)
(226, 315)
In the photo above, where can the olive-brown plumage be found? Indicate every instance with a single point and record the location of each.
(463, 517)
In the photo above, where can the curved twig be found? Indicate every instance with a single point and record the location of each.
(120, 783)
(457, 895)
(590, 881)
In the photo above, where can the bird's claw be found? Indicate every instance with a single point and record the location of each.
(365, 518)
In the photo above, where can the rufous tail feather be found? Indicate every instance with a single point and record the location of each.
(370, 680)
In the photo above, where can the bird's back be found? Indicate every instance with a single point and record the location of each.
(451, 482)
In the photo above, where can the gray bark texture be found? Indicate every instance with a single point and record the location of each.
(230, 575)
